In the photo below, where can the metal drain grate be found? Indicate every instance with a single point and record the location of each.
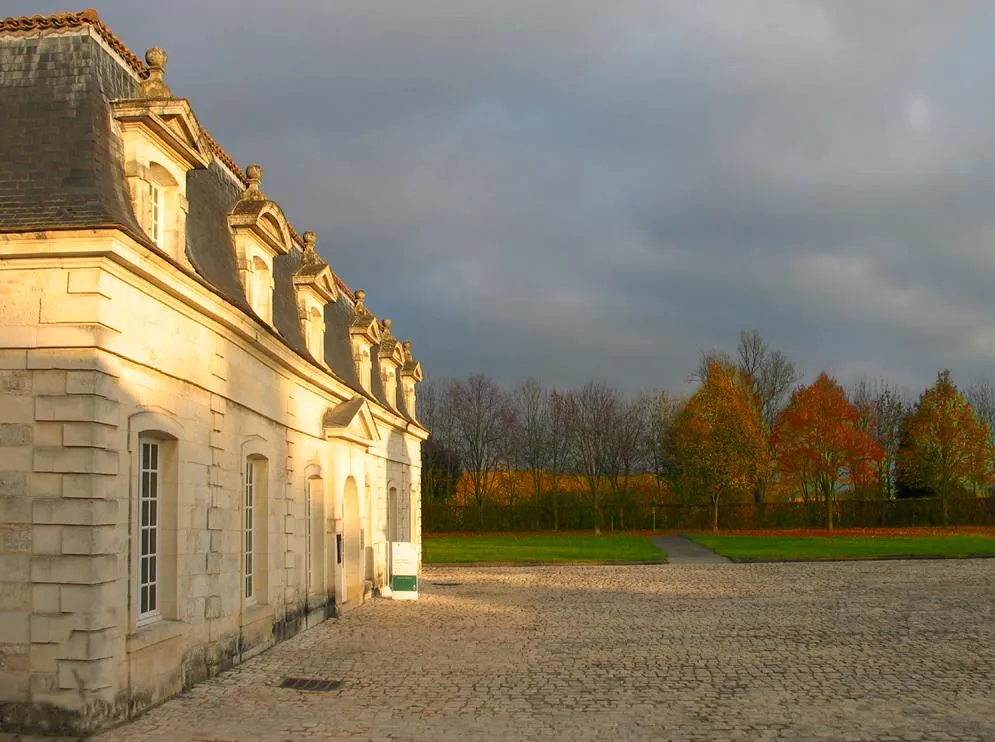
(446, 584)
(310, 684)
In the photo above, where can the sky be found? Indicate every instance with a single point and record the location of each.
(582, 189)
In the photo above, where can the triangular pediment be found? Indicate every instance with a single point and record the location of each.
(172, 122)
(353, 421)
(317, 278)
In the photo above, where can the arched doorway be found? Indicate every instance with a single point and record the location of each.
(391, 527)
(352, 543)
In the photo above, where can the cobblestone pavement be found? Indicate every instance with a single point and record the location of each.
(847, 651)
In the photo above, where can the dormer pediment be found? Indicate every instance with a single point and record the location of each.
(390, 347)
(263, 222)
(322, 286)
(314, 278)
(411, 368)
(364, 326)
(169, 124)
(353, 421)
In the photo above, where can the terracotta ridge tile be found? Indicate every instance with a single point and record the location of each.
(88, 17)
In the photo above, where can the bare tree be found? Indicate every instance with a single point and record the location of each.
(771, 376)
(510, 456)
(593, 409)
(883, 409)
(772, 373)
(981, 395)
(532, 405)
(559, 443)
(665, 462)
(626, 449)
(480, 413)
(441, 465)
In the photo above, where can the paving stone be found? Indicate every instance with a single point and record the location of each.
(847, 651)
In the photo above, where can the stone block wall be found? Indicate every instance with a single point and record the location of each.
(91, 356)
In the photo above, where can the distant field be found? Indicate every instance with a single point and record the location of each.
(879, 544)
(538, 547)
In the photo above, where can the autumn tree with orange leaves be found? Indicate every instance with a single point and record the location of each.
(823, 445)
(945, 447)
(719, 435)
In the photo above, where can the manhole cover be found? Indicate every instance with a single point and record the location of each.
(310, 684)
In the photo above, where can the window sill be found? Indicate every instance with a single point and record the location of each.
(155, 632)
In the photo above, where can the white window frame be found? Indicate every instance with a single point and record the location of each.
(248, 545)
(155, 212)
(149, 515)
(308, 546)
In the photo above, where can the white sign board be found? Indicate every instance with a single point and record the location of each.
(404, 570)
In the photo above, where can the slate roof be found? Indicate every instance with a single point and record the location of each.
(62, 167)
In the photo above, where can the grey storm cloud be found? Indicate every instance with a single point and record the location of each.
(581, 189)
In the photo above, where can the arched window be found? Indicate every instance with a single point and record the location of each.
(260, 289)
(314, 535)
(154, 447)
(160, 207)
(316, 334)
(254, 529)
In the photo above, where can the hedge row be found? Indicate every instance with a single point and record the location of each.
(574, 514)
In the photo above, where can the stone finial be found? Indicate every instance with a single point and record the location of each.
(406, 346)
(254, 175)
(310, 255)
(153, 86)
(360, 306)
(385, 324)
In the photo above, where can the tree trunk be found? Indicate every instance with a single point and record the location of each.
(715, 513)
(597, 514)
(758, 505)
(829, 511)
(537, 481)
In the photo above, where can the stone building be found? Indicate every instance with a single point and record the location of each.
(207, 441)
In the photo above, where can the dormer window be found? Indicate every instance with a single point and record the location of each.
(364, 330)
(411, 374)
(258, 281)
(260, 233)
(316, 335)
(315, 288)
(162, 143)
(391, 360)
(364, 367)
(155, 201)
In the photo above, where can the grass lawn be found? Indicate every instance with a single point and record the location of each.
(538, 547)
(793, 548)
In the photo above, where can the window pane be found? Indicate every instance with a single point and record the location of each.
(148, 522)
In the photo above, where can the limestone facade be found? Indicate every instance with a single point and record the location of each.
(207, 441)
